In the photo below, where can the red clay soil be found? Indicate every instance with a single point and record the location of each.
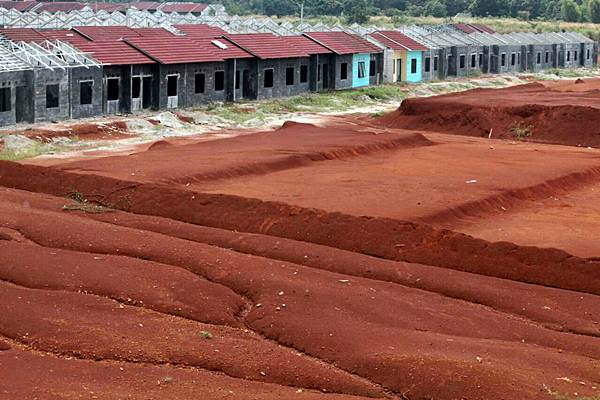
(85, 131)
(540, 113)
(123, 279)
(291, 146)
(381, 237)
(433, 346)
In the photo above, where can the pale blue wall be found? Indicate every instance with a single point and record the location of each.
(417, 76)
(356, 81)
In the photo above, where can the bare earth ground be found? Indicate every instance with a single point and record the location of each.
(307, 262)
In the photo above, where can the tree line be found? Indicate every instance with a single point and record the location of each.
(361, 10)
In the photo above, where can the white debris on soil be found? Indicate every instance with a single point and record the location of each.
(17, 143)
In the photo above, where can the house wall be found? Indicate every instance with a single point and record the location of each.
(554, 59)
(248, 91)
(335, 73)
(409, 76)
(376, 75)
(42, 78)
(78, 75)
(585, 60)
(356, 59)
(508, 67)
(572, 56)
(280, 89)
(433, 73)
(187, 84)
(12, 80)
(389, 60)
(122, 72)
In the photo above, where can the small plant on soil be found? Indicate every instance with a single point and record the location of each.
(206, 335)
(521, 132)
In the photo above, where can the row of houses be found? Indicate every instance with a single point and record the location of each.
(51, 7)
(55, 74)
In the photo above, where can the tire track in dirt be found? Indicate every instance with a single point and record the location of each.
(513, 200)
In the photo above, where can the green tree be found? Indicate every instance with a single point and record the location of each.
(358, 11)
(496, 8)
(569, 11)
(594, 11)
(435, 8)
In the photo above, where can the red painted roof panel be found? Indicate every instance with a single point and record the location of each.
(114, 52)
(59, 6)
(267, 46)
(483, 28)
(176, 50)
(18, 5)
(146, 5)
(23, 34)
(200, 30)
(65, 35)
(109, 7)
(307, 45)
(343, 42)
(401, 41)
(106, 32)
(183, 8)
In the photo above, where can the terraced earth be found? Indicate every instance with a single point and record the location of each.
(358, 259)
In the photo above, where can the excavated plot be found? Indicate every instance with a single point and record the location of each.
(444, 347)
(298, 284)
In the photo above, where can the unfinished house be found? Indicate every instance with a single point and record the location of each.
(320, 60)
(502, 55)
(358, 62)
(434, 65)
(279, 68)
(588, 48)
(404, 58)
(50, 91)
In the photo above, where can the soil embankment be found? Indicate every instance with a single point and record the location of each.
(533, 112)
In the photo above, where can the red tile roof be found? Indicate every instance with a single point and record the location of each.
(109, 7)
(146, 5)
(472, 28)
(177, 50)
(465, 28)
(18, 5)
(114, 52)
(398, 41)
(483, 28)
(65, 35)
(232, 51)
(200, 30)
(106, 32)
(64, 6)
(153, 32)
(266, 45)
(183, 8)
(343, 43)
(23, 34)
(307, 45)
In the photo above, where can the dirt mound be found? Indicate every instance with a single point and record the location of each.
(84, 131)
(529, 112)
(382, 237)
(160, 144)
(4, 346)
(293, 125)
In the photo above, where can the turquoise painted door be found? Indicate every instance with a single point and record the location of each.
(360, 69)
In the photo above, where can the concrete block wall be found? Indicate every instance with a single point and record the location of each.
(376, 75)
(81, 74)
(42, 78)
(280, 88)
(335, 73)
(21, 109)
